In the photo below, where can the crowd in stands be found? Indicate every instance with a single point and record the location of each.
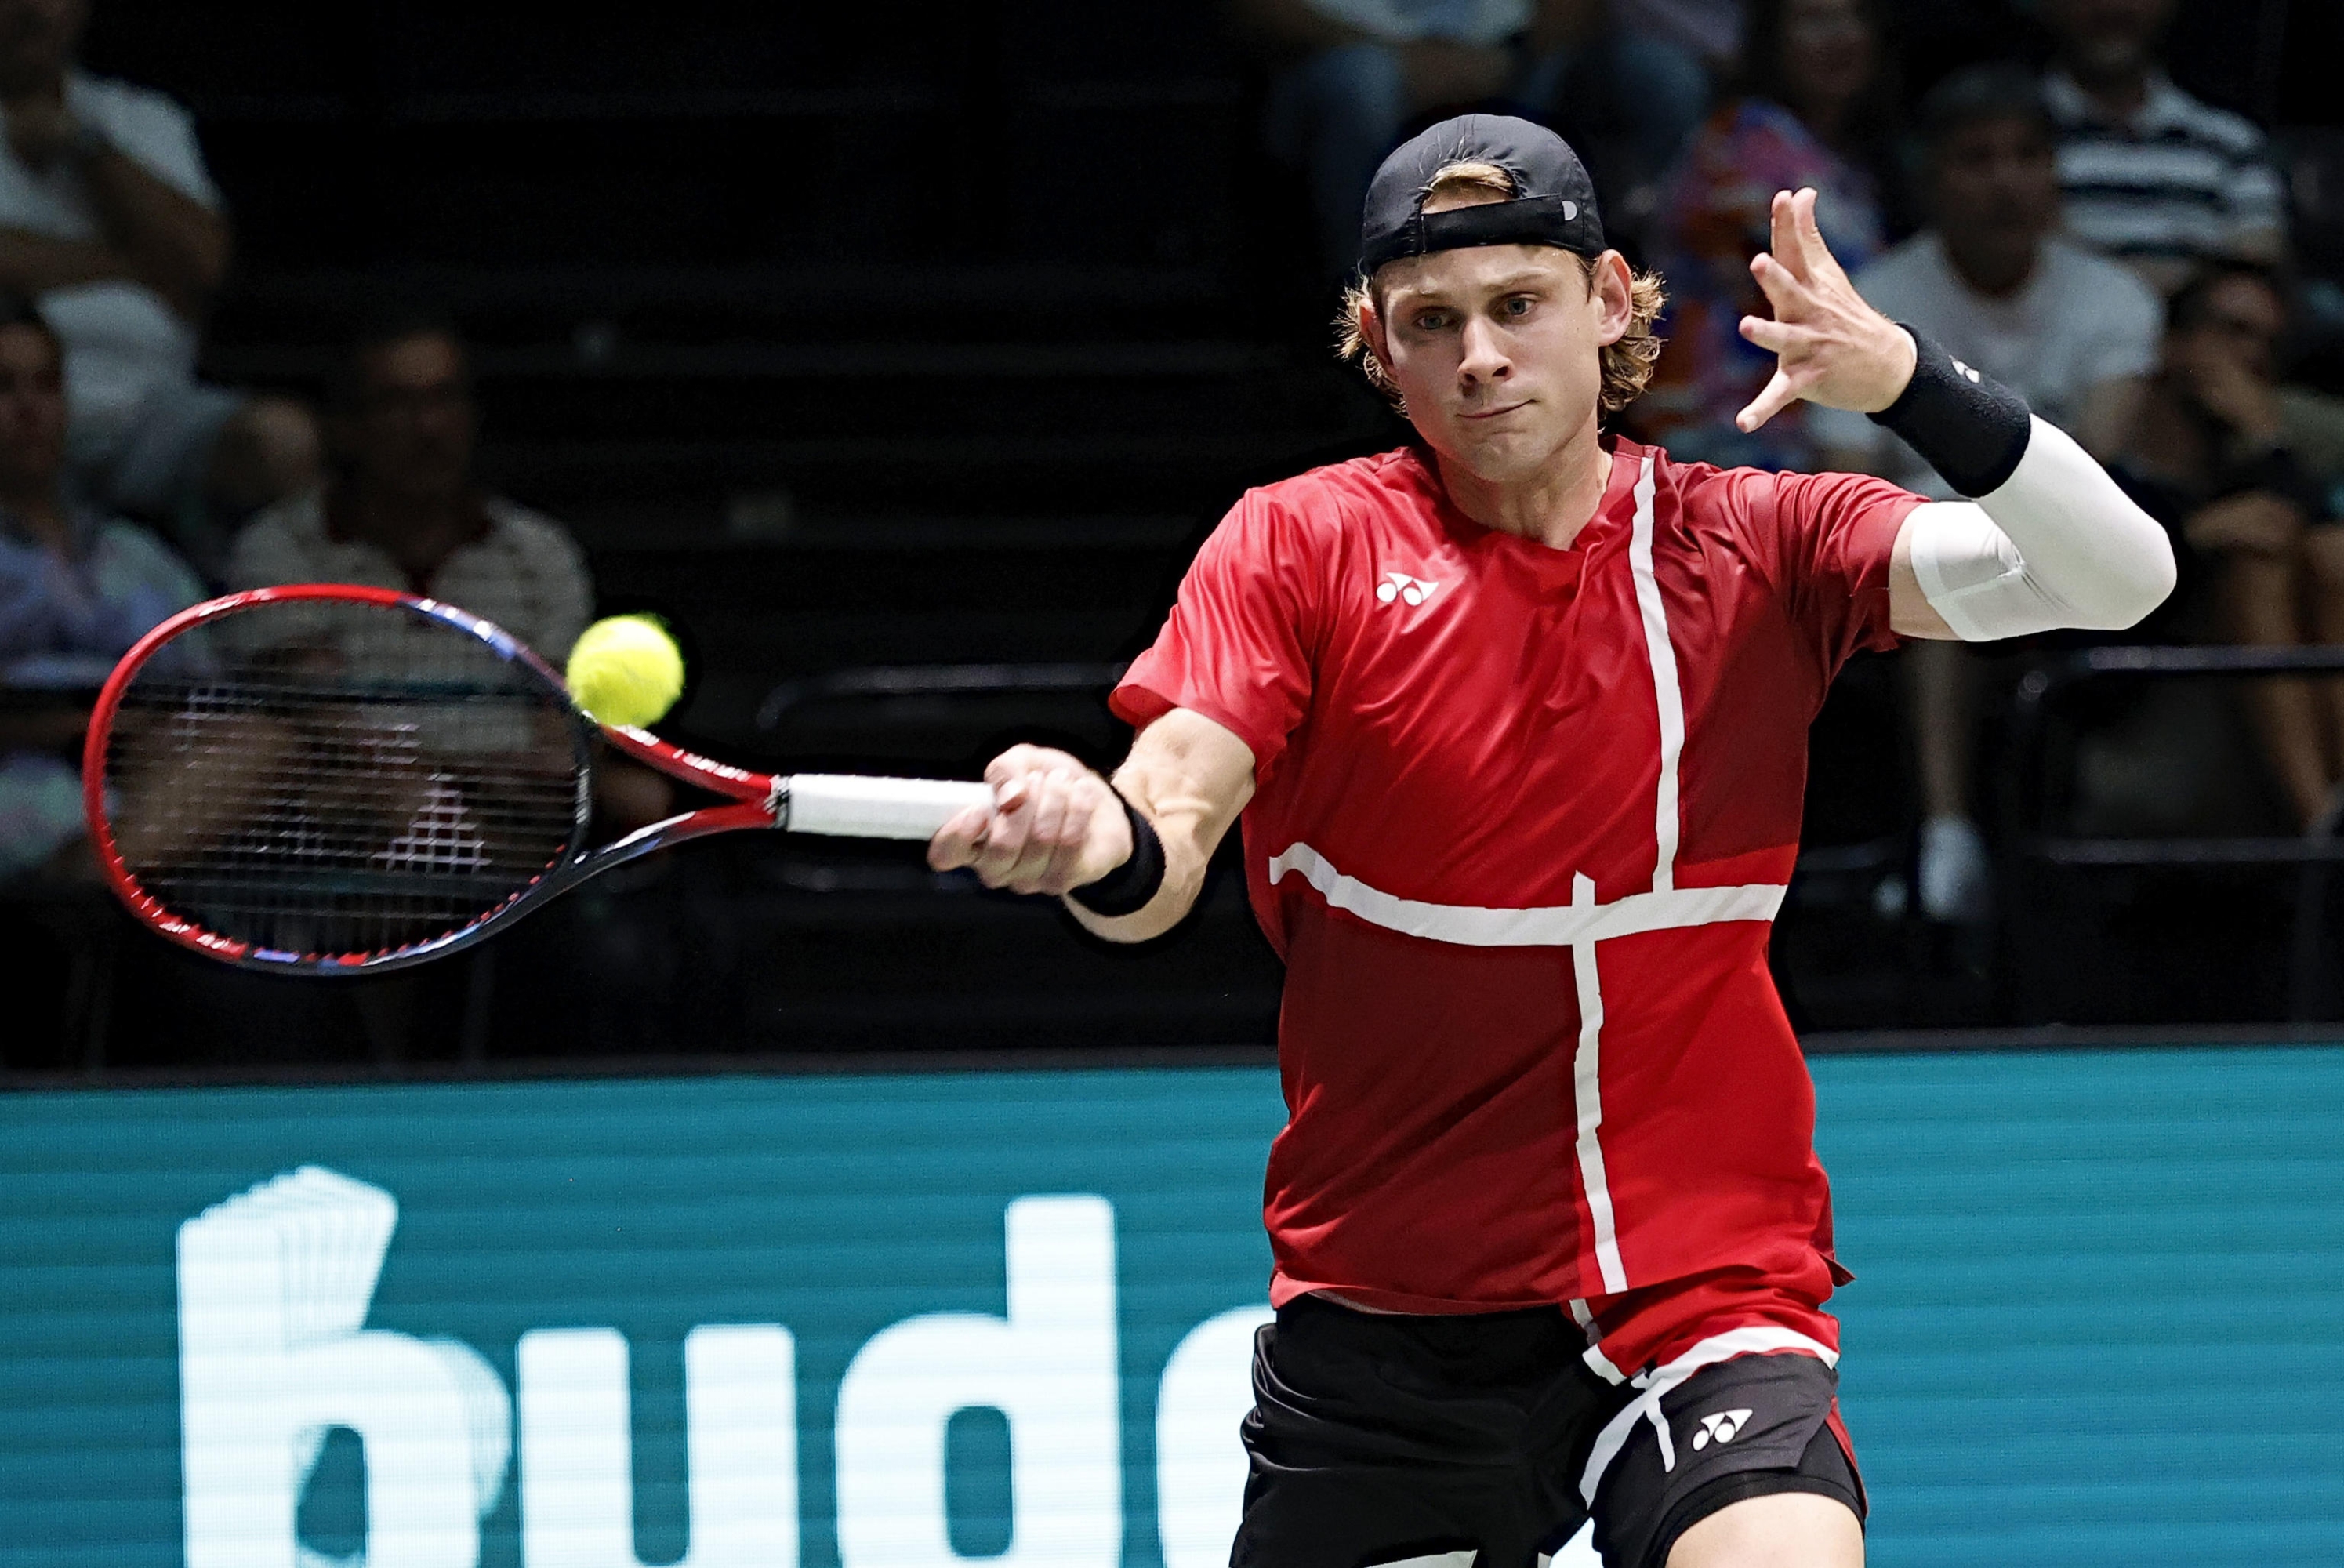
(129, 488)
(2066, 217)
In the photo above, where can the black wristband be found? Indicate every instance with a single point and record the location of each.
(1971, 428)
(1126, 889)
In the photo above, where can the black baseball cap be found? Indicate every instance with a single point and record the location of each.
(1553, 201)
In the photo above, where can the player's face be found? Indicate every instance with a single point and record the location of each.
(1497, 350)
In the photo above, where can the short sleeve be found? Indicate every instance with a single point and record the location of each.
(1827, 540)
(1238, 646)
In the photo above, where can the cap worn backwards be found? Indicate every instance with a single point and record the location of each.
(1553, 201)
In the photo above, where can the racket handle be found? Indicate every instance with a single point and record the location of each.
(848, 807)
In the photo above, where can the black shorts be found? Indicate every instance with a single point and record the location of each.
(1380, 1439)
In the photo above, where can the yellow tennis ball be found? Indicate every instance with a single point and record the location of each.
(626, 670)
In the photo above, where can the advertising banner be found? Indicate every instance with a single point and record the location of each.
(922, 1320)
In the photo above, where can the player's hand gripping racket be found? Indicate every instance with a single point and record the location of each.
(334, 780)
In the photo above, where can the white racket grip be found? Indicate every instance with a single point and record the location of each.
(847, 806)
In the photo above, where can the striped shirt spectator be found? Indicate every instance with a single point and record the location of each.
(2177, 184)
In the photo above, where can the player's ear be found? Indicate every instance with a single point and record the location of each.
(1611, 290)
(1370, 323)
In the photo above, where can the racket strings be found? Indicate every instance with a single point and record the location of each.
(342, 777)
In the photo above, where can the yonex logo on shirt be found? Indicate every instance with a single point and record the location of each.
(1723, 1426)
(1407, 590)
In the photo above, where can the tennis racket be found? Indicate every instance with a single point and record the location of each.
(333, 780)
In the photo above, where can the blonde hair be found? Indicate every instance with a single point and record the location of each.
(1627, 364)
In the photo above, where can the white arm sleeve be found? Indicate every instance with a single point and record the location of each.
(2058, 545)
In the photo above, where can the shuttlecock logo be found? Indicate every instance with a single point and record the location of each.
(274, 1288)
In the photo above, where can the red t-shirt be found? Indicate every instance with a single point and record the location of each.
(1522, 816)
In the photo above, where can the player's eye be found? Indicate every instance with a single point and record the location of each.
(1519, 306)
(1432, 320)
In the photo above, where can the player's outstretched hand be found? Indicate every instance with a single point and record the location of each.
(1053, 825)
(1832, 347)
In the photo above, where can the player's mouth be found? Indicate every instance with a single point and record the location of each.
(1493, 413)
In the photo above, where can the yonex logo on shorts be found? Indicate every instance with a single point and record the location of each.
(1407, 590)
(1723, 1426)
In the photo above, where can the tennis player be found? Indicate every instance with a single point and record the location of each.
(1516, 717)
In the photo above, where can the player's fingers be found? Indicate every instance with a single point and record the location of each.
(1784, 290)
(1053, 804)
(1783, 238)
(956, 844)
(1087, 797)
(1070, 831)
(1775, 336)
(1003, 843)
(1779, 394)
(1026, 872)
(1021, 760)
(1817, 262)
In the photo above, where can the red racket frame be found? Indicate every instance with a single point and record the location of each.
(754, 800)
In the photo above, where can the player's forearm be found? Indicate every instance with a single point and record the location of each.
(2048, 540)
(2085, 545)
(2055, 545)
(1175, 896)
(1178, 824)
(1187, 778)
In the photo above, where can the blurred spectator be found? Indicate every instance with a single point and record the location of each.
(2153, 177)
(405, 512)
(2073, 333)
(1627, 83)
(109, 220)
(1352, 74)
(1817, 111)
(2213, 457)
(1992, 280)
(77, 588)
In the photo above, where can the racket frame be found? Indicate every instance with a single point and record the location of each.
(752, 800)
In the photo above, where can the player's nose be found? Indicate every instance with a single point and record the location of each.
(1485, 357)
